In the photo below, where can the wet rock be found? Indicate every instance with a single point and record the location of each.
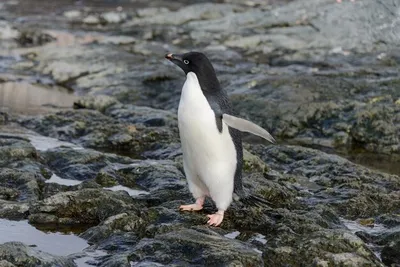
(150, 11)
(90, 128)
(86, 206)
(195, 247)
(14, 149)
(147, 116)
(8, 193)
(114, 17)
(117, 40)
(34, 38)
(7, 31)
(390, 253)
(333, 248)
(3, 118)
(98, 102)
(354, 191)
(24, 181)
(81, 165)
(185, 14)
(389, 220)
(19, 254)
(72, 14)
(91, 20)
(114, 226)
(4, 263)
(153, 175)
(13, 210)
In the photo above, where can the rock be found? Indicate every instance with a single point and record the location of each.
(86, 206)
(72, 14)
(200, 246)
(82, 164)
(390, 253)
(150, 11)
(91, 20)
(117, 40)
(147, 116)
(90, 128)
(3, 118)
(8, 193)
(23, 181)
(7, 32)
(13, 210)
(19, 254)
(4, 263)
(114, 226)
(114, 17)
(14, 149)
(98, 102)
(34, 38)
(183, 15)
(252, 163)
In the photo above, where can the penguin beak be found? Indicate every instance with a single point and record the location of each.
(177, 60)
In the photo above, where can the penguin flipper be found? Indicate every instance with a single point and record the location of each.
(247, 126)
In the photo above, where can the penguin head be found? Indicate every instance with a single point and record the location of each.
(199, 64)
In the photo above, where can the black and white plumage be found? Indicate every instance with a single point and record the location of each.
(210, 137)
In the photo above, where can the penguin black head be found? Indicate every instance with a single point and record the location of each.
(199, 64)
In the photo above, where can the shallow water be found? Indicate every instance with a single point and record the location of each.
(130, 191)
(354, 227)
(56, 243)
(58, 180)
(26, 98)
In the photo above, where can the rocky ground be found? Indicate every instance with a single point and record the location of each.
(319, 75)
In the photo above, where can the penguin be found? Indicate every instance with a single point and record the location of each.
(210, 137)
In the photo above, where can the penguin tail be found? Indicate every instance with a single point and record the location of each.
(257, 201)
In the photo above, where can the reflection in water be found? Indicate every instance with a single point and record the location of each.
(26, 98)
(54, 243)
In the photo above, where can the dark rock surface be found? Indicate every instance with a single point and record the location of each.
(18, 254)
(314, 73)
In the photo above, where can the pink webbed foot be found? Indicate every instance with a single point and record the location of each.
(216, 218)
(193, 207)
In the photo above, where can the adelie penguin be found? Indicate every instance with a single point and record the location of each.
(210, 137)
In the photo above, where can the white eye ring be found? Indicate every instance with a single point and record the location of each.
(186, 61)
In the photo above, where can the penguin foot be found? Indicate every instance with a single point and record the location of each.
(216, 218)
(191, 207)
(195, 206)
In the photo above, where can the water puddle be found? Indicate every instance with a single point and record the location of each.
(56, 243)
(26, 98)
(39, 142)
(43, 143)
(58, 180)
(374, 228)
(232, 235)
(130, 191)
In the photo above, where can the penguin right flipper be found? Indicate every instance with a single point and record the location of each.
(247, 126)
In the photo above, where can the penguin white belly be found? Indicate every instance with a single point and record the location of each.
(209, 155)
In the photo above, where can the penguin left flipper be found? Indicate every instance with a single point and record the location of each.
(247, 126)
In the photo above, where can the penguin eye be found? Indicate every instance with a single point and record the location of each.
(186, 61)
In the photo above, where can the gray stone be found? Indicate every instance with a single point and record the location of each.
(19, 254)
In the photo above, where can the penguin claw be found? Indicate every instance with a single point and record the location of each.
(191, 207)
(215, 219)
